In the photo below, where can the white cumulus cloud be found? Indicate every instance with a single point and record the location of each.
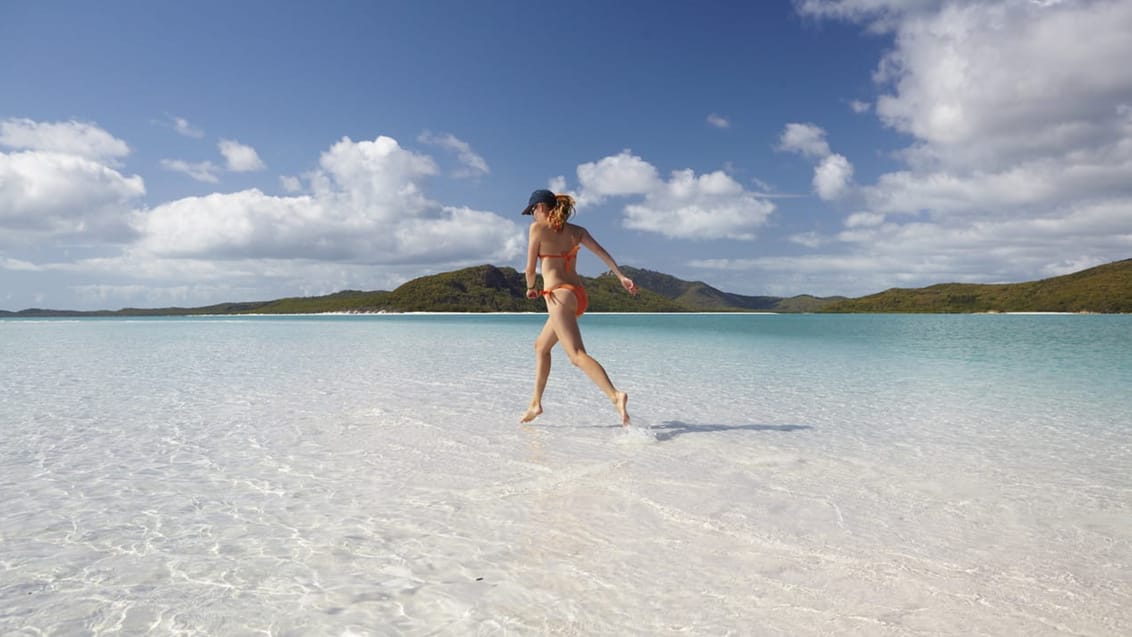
(75, 138)
(983, 85)
(64, 185)
(686, 206)
(832, 177)
(201, 171)
(808, 239)
(805, 139)
(557, 184)
(710, 206)
(1016, 108)
(471, 163)
(833, 174)
(617, 175)
(1018, 116)
(291, 184)
(718, 121)
(240, 157)
(367, 206)
(183, 127)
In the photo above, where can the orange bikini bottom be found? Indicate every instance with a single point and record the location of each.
(579, 293)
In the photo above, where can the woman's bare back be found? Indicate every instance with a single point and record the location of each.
(552, 247)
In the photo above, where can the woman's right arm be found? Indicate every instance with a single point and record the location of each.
(532, 262)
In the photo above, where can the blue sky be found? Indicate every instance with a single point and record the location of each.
(157, 154)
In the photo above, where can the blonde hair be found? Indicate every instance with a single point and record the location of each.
(563, 208)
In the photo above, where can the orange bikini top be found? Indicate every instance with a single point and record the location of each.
(569, 255)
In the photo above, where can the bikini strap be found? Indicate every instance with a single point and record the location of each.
(569, 255)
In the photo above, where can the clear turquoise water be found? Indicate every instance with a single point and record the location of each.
(241, 475)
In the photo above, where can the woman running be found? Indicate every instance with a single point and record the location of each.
(556, 242)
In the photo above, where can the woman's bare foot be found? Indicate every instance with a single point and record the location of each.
(534, 411)
(622, 401)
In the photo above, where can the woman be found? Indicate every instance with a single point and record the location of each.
(556, 243)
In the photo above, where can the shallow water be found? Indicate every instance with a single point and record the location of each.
(785, 475)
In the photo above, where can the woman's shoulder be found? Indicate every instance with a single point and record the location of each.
(576, 231)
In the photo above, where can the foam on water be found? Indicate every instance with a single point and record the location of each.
(636, 435)
(784, 475)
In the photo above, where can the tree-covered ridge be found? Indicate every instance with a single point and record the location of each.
(700, 297)
(1105, 289)
(486, 288)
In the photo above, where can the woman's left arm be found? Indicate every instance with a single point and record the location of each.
(592, 245)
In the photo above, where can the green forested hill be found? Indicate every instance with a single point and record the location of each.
(486, 288)
(1105, 288)
(698, 296)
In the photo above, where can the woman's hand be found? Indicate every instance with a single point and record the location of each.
(532, 294)
(629, 286)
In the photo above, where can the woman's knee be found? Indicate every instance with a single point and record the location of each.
(543, 346)
(578, 357)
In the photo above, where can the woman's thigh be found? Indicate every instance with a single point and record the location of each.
(562, 310)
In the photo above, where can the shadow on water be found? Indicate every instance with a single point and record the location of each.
(673, 428)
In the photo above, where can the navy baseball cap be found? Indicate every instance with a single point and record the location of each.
(537, 197)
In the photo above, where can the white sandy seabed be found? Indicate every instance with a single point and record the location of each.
(347, 494)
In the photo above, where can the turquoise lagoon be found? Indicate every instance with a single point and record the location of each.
(366, 475)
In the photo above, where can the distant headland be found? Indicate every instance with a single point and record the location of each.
(487, 288)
